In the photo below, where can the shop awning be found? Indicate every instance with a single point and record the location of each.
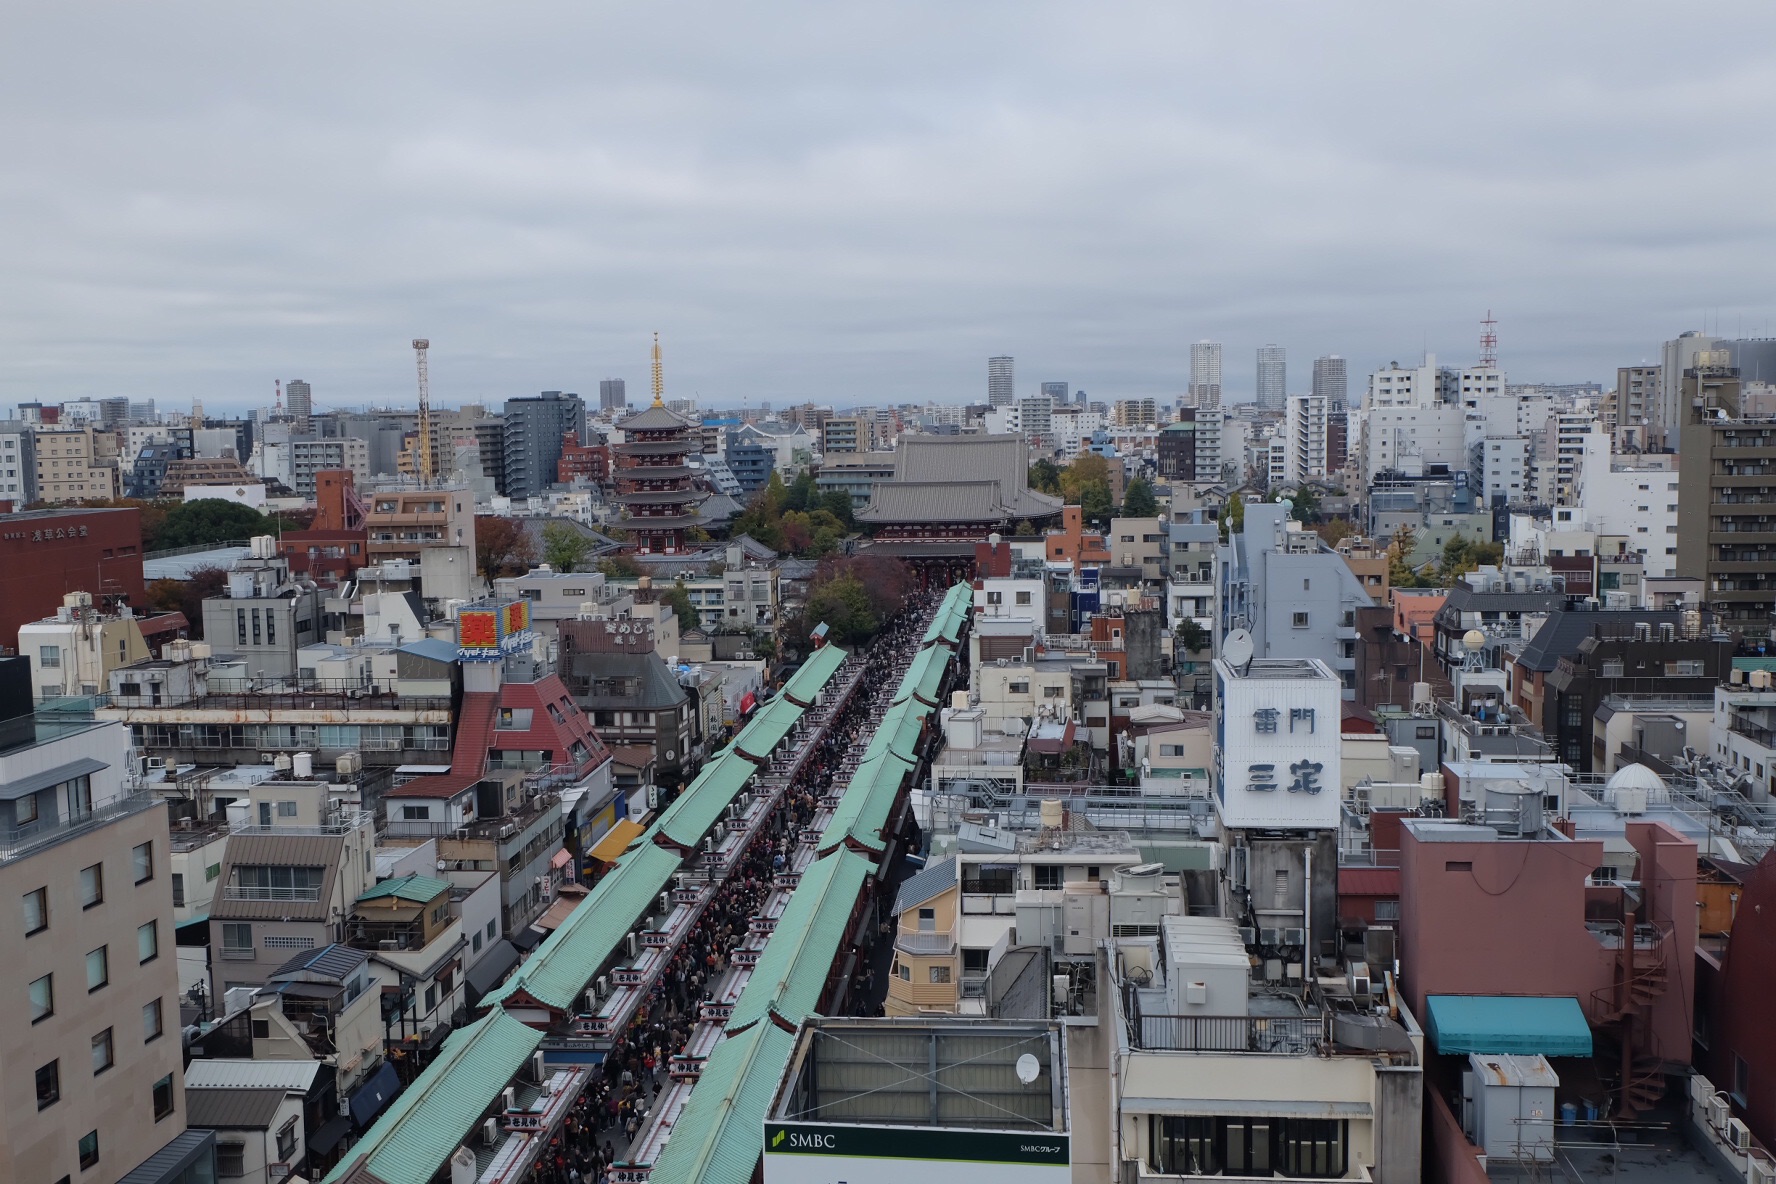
(486, 974)
(328, 1137)
(616, 840)
(1552, 1025)
(561, 859)
(368, 1099)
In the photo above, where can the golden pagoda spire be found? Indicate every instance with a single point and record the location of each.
(659, 375)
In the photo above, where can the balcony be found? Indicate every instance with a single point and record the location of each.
(1293, 1036)
(925, 943)
(344, 823)
(16, 844)
(251, 892)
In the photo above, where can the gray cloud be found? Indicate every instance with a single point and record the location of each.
(860, 205)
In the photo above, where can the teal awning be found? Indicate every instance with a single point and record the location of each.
(1553, 1025)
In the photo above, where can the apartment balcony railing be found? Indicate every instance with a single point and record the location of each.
(1270, 1035)
(254, 892)
(22, 841)
(925, 943)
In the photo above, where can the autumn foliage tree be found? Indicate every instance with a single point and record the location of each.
(502, 546)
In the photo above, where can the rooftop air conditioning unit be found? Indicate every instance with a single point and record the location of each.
(1719, 1111)
(490, 1131)
(629, 944)
(1294, 937)
(603, 986)
(1270, 937)
(1738, 1136)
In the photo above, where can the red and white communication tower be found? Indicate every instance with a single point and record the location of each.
(1489, 342)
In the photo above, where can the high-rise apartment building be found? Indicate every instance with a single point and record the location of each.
(999, 381)
(299, 403)
(1273, 385)
(611, 394)
(1205, 374)
(1305, 436)
(1725, 459)
(535, 426)
(89, 1046)
(1670, 413)
(1056, 392)
(1330, 381)
(1630, 410)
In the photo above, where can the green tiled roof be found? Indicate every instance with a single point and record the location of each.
(570, 958)
(700, 806)
(815, 673)
(718, 1138)
(431, 1118)
(791, 973)
(864, 806)
(899, 730)
(415, 888)
(925, 674)
(768, 728)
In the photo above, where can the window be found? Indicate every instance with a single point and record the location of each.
(101, 1052)
(1023, 598)
(1741, 1081)
(1387, 910)
(1310, 1147)
(1054, 692)
(262, 1029)
(36, 911)
(415, 813)
(286, 809)
(1458, 865)
(92, 885)
(1184, 1146)
(24, 811)
(1018, 688)
(49, 1085)
(1299, 620)
(178, 890)
(940, 974)
(89, 1150)
(163, 1107)
(142, 860)
(50, 657)
(231, 1159)
(98, 968)
(1047, 875)
(995, 597)
(148, 941)
(151, 1021)
(287, 1140)
(237, 937)
(43, 998)
(974, 961)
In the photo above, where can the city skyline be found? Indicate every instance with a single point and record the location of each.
(851, 229)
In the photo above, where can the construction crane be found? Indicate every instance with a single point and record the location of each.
(423, 461)
(659, 375)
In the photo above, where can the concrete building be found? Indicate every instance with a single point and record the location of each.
(1631, 409)
(1330, 382)
(1677, 358)
(534, 428)
(847, 434)
(18, 462)
(1000, 379)
(47, 554)
(74, 652)
(404, 523)
(76, 464)
(612, 394)
(299, 403)
(1296, 596)
(1724, 536)
(309, 457)
(1272, 388)
(266, 616)
(92, 1058)
(1205, 375)
(1304, 436)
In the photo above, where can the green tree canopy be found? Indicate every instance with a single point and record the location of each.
(679, 597)
(564, 548)
(1045, 477)
(209, 521)
(1138, 501)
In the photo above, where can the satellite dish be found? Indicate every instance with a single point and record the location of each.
(1236, 648)
(1474, 640)
(1028, 1068)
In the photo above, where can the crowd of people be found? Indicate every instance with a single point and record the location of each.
(614, 1106)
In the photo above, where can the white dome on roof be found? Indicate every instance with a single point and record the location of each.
(1635, 776)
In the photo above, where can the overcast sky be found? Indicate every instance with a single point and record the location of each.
(860, 204)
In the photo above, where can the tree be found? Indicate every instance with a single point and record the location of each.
(1334, 530)
(208, 521)
(1233, 516)
(1087, 469)
(1400, 573)
(502, 546)
(1462, 555)
(619, 567)
(187, 595)
(838, 503)
(679, 597)
(1190, 638)
(1045, 477)
(802, 493)
(564, 548)
(1138, 501)
(1024, 529)
(844, 605)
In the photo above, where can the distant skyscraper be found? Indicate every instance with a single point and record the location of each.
(1205, 374)
(1056, 391)
(1330, 383)
(611, 395)
(533, 431)
(1273, 384)
(999, 379)
(1079, 398)
(298, 403)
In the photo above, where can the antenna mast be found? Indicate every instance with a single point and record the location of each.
(423, 463)
(277, 404)
(659, 375)
(1489, 342)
